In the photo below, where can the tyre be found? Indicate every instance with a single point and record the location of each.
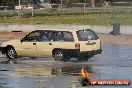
(11, 53)
(60, 55)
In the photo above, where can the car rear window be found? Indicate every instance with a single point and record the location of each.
(83, 35)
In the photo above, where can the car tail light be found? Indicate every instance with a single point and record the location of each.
(77, 46)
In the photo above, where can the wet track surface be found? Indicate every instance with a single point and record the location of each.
(115, 62)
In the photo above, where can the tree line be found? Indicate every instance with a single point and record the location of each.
(12, 3)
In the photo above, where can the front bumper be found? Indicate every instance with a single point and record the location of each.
(2, 49)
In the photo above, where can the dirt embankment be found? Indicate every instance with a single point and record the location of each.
(12, 35)
(105, 38)
(119, 39)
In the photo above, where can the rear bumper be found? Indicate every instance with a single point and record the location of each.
(3, 50)
(99, 51)
(93, 52)
(77, 53)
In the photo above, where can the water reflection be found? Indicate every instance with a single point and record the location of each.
(46, 76)
(114, 55)
(53, 70)
(115, 49)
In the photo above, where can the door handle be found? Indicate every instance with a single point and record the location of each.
(34, 43)
(50, 43)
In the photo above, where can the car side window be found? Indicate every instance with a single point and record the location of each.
(57, 36)
(68, 36)
(45, 36)
(33, 36)
(49, 36)
(62, 36)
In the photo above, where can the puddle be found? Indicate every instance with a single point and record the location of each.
(114, 55)
(45, 70)
(115, 62)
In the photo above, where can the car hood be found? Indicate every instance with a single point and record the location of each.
(11, 42)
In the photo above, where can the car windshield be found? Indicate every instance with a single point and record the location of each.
(85, 35)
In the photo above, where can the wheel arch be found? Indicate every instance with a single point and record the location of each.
(5, 49)
(65, 51)
(54, 50)
(8, 46)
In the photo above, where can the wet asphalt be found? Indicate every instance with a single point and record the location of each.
(115, 62)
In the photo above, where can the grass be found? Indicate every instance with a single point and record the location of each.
(98, 16)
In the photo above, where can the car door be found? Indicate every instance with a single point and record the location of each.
(44, 46)
(63, 40)
(28, 45)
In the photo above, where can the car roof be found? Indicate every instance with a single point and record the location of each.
(70, 30)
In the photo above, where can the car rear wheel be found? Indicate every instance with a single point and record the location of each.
(11, 53)
(60, 55)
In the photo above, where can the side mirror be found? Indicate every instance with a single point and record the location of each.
(21, 40)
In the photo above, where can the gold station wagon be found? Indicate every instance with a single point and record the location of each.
(59, 44)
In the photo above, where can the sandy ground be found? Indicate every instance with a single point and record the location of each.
(105, 38)
(12, 35)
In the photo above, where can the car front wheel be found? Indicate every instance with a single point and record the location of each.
(11, 53)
